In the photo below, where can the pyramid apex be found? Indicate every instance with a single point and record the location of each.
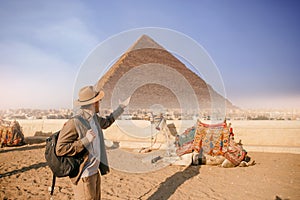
(145, 42)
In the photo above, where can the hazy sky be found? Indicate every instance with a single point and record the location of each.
(255, 45)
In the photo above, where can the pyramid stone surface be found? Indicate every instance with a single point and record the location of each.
(146, 54)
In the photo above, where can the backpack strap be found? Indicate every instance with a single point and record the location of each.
(84, 122)
(53, 184)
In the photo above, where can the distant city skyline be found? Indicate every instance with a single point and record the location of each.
(254, 44)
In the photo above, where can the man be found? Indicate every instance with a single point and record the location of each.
(83, 136)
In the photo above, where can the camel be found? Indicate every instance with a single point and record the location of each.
(210, 144)
(11, 134)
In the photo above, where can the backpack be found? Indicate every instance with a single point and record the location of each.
(61, 166)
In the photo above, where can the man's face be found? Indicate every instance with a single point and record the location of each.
(97, 106)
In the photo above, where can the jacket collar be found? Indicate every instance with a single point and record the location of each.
(87, 114)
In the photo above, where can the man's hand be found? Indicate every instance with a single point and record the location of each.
(90, 135)
(124, 103)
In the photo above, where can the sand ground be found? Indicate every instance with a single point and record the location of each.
(24, 175)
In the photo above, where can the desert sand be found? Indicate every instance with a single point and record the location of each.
(25, 175)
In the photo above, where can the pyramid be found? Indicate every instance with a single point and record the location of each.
(153, 76)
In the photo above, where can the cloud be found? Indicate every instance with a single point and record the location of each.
(69, 38)
(58, 28)
(32, 78)
(42, 46)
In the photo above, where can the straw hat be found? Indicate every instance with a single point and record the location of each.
(87, 95)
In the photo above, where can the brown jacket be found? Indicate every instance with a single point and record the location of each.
(71, 142)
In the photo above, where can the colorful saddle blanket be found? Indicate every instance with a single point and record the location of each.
(235, 153)
(209, 139)
(11, 134)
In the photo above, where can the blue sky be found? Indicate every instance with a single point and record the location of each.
(255, 45)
